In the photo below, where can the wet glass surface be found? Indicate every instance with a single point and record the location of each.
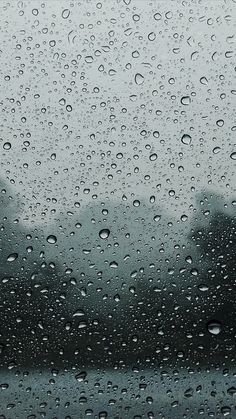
(117, 209)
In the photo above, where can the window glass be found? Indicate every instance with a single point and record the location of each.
(117, 209)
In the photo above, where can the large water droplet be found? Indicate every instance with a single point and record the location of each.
(12, 257)
(7, 146)
(216, 150)
(81, 376)
(186, 139)
(136, 203)
(185, 100)
(65, 13)
(104, 233)
(51, 239)
(233, 155)
(78, 313)
(153, 157)
(214, 327)
(139, 79)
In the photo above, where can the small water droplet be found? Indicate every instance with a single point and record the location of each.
(233, 155)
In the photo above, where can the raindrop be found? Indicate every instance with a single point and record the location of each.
(78, 313)
(203, 287)
(214, 327)
(51, 239)
(157, 16)
(220, 122)
(216, 150)
(7, 146)
(186, 139)
(233, 155)
(104, 233)
(139, 79)
(151, 36)
(65, 13)
(225, 410)
(114, 265)
(12, 257)
(185, 100)
(81, 376)
(203, 80)
(153, 157)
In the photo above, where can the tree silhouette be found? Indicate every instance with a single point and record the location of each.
(142, 293)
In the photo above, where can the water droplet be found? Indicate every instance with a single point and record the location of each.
(185, 100)
(214, 327)
(7, 146)
(136, 203)
(51, 239)
(220, 122)
(35, 12)
(151, 36)
(156, 134)
(12, 257)
(203, 287)
(186, 139)
(65, 13)
(233, 155)
(225, 410)
(203, 80)
(189, 259)
(4, 386)
(157, 16)
(189, 392)
(216, 150)
(81, 376)
(113, 265)
(104, 233)
(78, 313)
(231, 391)
(153, 157)
(139, 79)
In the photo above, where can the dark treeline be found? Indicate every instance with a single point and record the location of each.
(151, 308)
